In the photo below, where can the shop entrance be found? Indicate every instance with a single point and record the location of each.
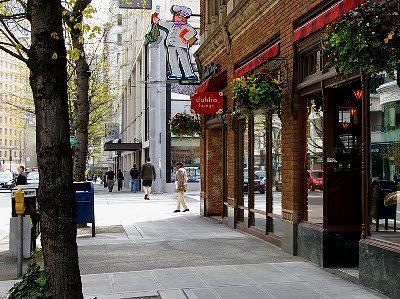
(332, 177)
(342, 151)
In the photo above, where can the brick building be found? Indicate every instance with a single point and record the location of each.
(319, 131)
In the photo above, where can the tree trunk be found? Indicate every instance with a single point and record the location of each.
(48, 79)
(82, 113)
(82, 104)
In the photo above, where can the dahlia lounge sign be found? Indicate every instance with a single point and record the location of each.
(135, 4)
(207, 102)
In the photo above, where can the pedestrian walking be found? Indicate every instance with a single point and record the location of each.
(21, 179)
(148, 175)
(104, 180)
(120, 178)
(134, 173)
(181, 187)
(110, 175)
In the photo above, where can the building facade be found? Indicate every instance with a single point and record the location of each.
(325, 126)
(17, 123)
(149, 100)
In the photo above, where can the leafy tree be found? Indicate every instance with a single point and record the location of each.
(392, 152)
(46, 58)
(74, 20)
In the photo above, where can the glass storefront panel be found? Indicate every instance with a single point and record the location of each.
(260, 165)
(186, 150)
(277, 225)
(385, 161)
(246, 165)
(260, 221)
(314, 158)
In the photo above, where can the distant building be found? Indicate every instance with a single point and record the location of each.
(149, 100)
(17, 124)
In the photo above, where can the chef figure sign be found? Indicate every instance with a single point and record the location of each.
(180, 37)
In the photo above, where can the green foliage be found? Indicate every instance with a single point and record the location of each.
(258, 91)
(366, 39)
(33, 283)
(183, 124)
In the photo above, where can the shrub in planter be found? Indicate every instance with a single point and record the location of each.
(183, 124)
(258, 91)
(33, 282)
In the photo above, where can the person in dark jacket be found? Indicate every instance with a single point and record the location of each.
(120, 178)
(148, 175)
(134, 173)
(21, 179)
(110, 175)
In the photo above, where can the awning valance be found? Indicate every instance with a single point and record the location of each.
(325, 18)
(260, 59)
(215, 83)
(122, 146)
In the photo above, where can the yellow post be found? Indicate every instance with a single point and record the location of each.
(19, 209)
(19, 202)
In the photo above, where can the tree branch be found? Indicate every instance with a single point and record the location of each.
(11, 37)
(18, 56)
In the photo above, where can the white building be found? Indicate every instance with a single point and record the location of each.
(148, 101)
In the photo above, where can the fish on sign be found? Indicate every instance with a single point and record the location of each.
(207, 102)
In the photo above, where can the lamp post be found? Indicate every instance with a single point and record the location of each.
(10, 158)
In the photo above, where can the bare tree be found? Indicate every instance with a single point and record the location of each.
(46, 60)
(74, 20)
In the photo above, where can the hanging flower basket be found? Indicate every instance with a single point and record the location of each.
(258, 91)
(184, 125)
(366, 39)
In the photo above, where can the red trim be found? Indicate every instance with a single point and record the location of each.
(325, 18)
(215, 83)
(184, 31)
(260, 59)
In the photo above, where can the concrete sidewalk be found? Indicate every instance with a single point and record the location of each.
(143, 249)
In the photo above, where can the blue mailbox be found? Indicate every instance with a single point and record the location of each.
(84, 194)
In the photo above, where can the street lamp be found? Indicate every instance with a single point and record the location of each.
(10, 158)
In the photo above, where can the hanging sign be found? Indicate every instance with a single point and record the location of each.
(135, 4)
(207, 102)
(112, 131)
(72, 140)
(178, 38)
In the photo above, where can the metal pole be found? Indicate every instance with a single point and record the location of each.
(20, 245)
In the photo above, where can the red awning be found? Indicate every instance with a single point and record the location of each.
(215, 83)
(325, 18)
(261, 58)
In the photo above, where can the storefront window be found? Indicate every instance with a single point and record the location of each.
(246, 181)
(186, 150)
(314, 158)
(261, 171)
(262, 201)
(385, 158)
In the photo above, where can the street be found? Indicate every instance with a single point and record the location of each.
(5, 213)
